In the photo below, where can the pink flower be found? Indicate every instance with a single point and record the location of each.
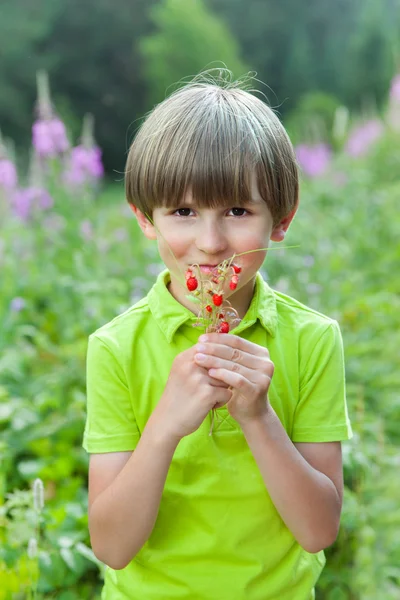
(17, 304)
(8, 174)
(86, 230)
(395, 89)
(85, 166)
(363, 137)
(31, 199)
(49, 137)
(393, 115)
(314, 159)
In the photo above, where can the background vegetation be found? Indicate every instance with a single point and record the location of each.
(116, 59)
(72, 256)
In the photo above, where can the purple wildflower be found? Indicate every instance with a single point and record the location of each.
(28, 200)
(49, 137)
(85, 166)
(315, 159)
(22, 205)
(54, 223)
(393, 114)
(395, 89)
(17, 304)
(363, 137)
(8, 174)
(86, 230)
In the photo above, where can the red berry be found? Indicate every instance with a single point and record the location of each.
(192, 284)
(233, 285)
(221, 315)
(236, 268)
(208, 308)
(224, 328)
(234, 278)
(217, 299)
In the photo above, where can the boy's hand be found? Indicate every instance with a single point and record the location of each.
(244, 366)
(189, 395)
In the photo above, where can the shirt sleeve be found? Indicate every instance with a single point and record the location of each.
(110, 421)
(321, 414)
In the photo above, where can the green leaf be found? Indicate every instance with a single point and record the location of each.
(68, 557)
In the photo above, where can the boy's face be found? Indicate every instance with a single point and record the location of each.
(207, 236)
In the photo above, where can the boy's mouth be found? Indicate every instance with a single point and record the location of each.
(207, 268)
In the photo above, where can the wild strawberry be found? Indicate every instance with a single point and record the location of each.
(217, 299)
(208, 308)
(221, 315)
(224, 327)
(236, 268)
(192, 284)
(234, 278)
(233, 285)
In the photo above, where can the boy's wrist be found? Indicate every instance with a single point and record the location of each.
(263, 419)
(160, 435)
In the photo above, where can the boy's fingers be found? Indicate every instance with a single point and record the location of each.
(235, 342)
(214, 362)
(251, 382)
(214, 382)
(240, 383)
(234, 355)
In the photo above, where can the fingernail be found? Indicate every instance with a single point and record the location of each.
(201, 348)
(203, 338)
(200, 357)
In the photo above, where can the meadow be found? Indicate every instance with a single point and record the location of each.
(70, 264)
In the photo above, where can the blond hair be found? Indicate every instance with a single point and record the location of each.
(209, 137)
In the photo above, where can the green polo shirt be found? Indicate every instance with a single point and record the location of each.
(218, 535)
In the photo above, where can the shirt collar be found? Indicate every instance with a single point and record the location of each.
(170, 314)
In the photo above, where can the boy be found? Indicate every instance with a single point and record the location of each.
(246, 512)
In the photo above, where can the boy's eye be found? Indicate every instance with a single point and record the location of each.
(238, 212)
(183, 212)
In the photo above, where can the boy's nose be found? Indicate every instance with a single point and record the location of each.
(211, 240)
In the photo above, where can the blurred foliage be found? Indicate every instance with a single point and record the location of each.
(74, 267)
(371, 48)
(89, 50)
(313, 118)
(299, 47)
(188, 40)
(81, 263)
(115, 59)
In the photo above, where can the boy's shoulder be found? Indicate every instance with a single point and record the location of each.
(123, 327)
(296, 316)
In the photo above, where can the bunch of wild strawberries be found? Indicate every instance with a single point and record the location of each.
(216, 312)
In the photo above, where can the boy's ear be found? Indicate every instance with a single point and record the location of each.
(279, 231)
(144, 224)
